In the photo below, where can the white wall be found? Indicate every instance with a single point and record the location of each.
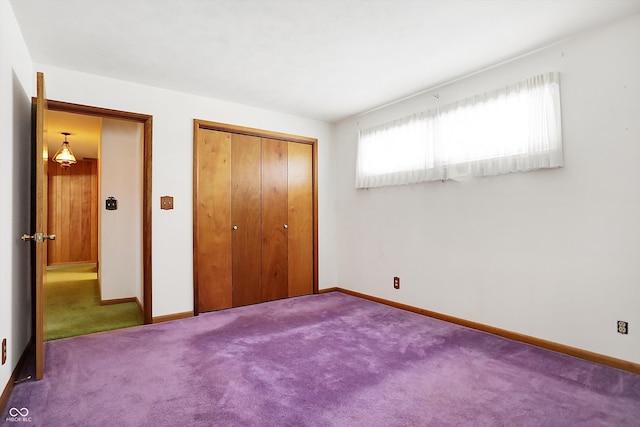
(16, 85)
(552, 254)
(173, 114)
(121, 230)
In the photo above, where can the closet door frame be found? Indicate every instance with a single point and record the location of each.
(223, 127)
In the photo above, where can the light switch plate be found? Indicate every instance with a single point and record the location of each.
(111, 204)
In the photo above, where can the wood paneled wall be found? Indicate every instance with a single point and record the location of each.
(73, 213)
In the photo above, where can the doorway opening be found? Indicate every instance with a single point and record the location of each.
(100, 265)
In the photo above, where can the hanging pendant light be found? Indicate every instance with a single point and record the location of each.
(64, 155)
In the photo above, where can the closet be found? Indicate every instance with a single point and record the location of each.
(255, 216)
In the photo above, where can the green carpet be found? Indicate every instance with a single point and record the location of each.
(72, 305)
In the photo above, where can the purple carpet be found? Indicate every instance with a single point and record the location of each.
(320, 360)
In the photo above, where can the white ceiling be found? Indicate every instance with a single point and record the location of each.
(322, 59)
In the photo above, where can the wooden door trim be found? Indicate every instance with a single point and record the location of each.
(224, 127)
(39, 106)
(147, 195)
(314, 149)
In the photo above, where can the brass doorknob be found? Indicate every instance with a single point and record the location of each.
(38, 237)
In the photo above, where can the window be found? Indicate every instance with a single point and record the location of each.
(514, 129)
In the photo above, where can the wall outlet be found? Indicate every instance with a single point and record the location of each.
(4, 351)
(396, 282)
(623, 327)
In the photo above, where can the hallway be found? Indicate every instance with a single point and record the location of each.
(72, 304)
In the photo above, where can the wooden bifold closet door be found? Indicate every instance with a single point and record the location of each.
(255, 233)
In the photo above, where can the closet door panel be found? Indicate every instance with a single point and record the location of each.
(213, 226)
(274, 220)
(300, 207)
(255, 216)
(245, 215)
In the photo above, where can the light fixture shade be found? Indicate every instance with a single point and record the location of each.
(64, 155)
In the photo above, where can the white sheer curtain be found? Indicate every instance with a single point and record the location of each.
(514, 129)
